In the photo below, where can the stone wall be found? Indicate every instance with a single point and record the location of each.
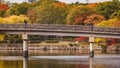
(32, 46)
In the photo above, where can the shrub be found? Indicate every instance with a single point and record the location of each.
(51, 41)
(71, 44)
(104, 48)
(14, 19)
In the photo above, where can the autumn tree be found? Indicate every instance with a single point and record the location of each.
(32, 15)
(14, 19)
(17, 9)
(108, 8)
(94, 18)
(51, 13)
(92, 5)
(78, 15)
(3, 9)
(115, 14)
(115, 22)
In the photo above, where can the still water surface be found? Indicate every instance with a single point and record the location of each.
(58, 59)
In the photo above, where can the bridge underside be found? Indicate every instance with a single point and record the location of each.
(64, 33)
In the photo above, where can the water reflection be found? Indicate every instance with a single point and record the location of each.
(90, 62)
(25, 62)
(51, 52)
(58, 59)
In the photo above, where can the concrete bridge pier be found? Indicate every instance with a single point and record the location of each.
(91, 40)
(25, 62)
(25, 45)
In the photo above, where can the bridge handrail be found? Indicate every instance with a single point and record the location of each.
(60, 27)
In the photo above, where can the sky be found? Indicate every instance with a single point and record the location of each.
(66, 1)
(83, 1)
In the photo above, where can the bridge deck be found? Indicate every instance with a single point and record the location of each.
(51, 29)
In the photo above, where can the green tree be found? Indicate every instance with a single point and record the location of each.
(108, 8)
(17, 9)
(115, 15)
(13, 38)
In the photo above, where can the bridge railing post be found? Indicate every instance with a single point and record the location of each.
(92, 26)
(25, 45)
(25, 24)
(91, 40)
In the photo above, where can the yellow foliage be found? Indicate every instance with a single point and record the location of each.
(104, 24)
(14, 19)
(98, 40)
(2, 37)
(115, 22)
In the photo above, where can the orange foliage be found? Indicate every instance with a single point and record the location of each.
(80, 19)
(94, 18)
(92, 5)
(116, 24)
(77, 19)
(60, 4)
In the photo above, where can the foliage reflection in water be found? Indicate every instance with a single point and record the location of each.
(68, 61)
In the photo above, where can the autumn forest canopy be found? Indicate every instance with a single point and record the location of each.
(55, 12)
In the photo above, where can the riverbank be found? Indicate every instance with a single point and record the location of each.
(53, 46)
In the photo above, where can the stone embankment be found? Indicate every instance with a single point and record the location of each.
(37, 47)
(18, 46)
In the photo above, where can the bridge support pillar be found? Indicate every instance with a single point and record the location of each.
(91, 40)
(25, 62)
(25, 45)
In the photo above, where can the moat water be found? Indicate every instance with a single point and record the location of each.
(59, 59)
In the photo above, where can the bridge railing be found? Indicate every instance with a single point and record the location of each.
(106, 29)
(11, 25)
(59, 27)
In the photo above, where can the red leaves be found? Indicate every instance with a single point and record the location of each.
(111, 41)
(81, 38)
(4, 7)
